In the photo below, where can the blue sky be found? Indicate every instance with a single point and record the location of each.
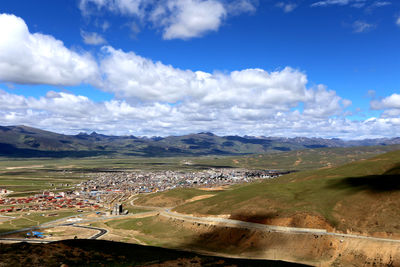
(327, 68)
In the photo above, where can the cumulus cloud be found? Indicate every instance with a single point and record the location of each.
(325, 103)
(78, 113)
(192, 18)
(40, 59)
(390, 102)
(157, 99)
(153, 98)
(390, 106)
(178, 19)
(139, 79)
(92, 38)
(68, 113)
(239, 100)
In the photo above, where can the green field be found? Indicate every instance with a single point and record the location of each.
(154, 232)
(171, 198)
(33, 219)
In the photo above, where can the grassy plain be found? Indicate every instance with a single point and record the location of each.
(362, 196)
(323, 193)
(30, 176)
(152, 231)
(171, 198)
(33, 219)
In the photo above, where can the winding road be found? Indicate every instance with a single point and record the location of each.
(101, 230)
(42, 241)
(208, 220)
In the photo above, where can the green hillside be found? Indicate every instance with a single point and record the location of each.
(363, 196)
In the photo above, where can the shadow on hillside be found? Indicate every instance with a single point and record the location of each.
(263, 218)
(394, 171)
(108, 253)
(238, 241)
(372, 183)
(7, 150)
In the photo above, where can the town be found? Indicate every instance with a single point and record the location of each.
(137, 182)
(104, 189)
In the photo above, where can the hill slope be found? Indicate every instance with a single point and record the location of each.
(23, 141)
(358, 197)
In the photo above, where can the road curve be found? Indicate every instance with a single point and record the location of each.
(96, 236)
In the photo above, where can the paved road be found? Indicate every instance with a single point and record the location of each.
(101, 230)
(96, 236)
(40, 226)
(248, 225)
(62, 222)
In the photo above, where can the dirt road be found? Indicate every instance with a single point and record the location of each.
(166, 212)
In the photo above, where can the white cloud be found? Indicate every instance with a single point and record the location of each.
(287, 7)
(237, 7)
(193, 18)
(124, 7)
(241, 97)
(138, 79)
(158, 99)
(92, 38)
(40, 59)
(381, 3)
(355, 3)
(325, 103)
(398, 21)
(131, 76)
(178, 19)
(362, 26)
(250, 101)
(390, 102)
(390, 106)
(105, 26)
(68, 113)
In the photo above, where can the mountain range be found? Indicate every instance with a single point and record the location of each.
(24, 141)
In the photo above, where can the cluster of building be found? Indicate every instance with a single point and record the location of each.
(150, 181)
(47, 201)
(105, 189)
